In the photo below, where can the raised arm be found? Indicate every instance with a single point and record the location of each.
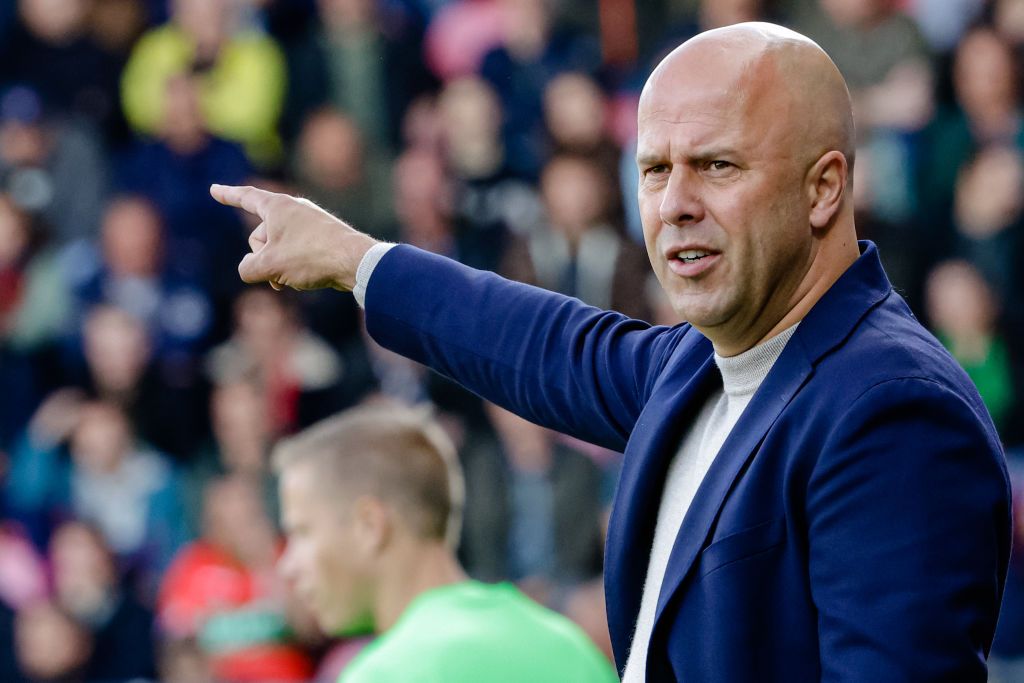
(547, 357)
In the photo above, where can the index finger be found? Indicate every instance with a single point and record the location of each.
(252, 199)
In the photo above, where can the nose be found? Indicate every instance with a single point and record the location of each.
(681, 203)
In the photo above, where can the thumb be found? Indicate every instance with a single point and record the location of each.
(253, 269)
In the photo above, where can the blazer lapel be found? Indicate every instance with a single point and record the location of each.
(786, 377)
(654, 441)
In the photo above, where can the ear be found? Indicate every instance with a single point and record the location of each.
(826, 185)
(373, 525)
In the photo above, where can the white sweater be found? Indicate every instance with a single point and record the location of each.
(741, 376)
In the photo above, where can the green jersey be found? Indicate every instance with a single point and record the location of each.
(479, 633)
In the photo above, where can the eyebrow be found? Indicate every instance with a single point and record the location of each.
(706, 154)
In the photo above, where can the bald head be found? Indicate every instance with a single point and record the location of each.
(781, 81)
(744, 147)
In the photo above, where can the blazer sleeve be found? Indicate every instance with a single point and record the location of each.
(547, 357)
(909, 534)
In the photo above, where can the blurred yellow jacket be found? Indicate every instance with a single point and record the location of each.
(242, 93)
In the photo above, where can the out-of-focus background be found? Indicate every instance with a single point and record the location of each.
(142, 385)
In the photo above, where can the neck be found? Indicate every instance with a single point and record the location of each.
(837, 253)
(419, 567)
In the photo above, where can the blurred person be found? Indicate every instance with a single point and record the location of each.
(865, 38)
(944, 22)
(490, 198)
(52, 49)
(534, 50)
(426, 204)
(222, 590)
(33, 306)
(553, 526)
(371, 502)
(575, 112)
(51, 166)
(299, 375)
(241, 74)
(363, 58)
(964, 312)
(986, 111)
(888, 66)
(163, 396)
(87, 586)
(578, 252)
(22, 569)
(461, 34)
(758, 437)
(107, 478)
(1008, 19)
(50, 645)
(333, 167)
(33, 303)
(171, 171)
(242, 437)
(131, 272)
(988, 220)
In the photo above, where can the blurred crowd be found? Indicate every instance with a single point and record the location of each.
(143, 385)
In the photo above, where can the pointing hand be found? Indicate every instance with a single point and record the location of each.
(297, 244)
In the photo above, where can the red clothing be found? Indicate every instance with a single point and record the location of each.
(235, 614)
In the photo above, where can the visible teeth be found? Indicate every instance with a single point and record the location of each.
(691, 255)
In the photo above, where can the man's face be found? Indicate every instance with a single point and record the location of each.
(722, 201)
(324, 562)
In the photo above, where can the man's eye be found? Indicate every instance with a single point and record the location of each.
(657, 168)
(719, 165)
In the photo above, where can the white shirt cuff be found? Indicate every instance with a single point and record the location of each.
(370, 260)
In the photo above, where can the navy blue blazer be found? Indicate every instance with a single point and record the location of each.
(855, 526)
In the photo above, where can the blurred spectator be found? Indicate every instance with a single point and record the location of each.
(986, 112)
(243, 435)
(987, 213)
(33, 308)
(943, 22)
(127, 491)
(52, 50)
(183, 661)
(51, 647)
(581, 254)
(865, 38)
(461, 35)
(175, 171)
(241, 73)
(51, 166)
(87, 587)
(301, 377)
(424, 202)
(22, 572)
(553, 528)
(223, 590)
(1008, 19)
(164, 397)
(132, 272)
(490, 199)
(533, 52)
(576, 119)
(334, 168)
(964, 312)
(363, 59)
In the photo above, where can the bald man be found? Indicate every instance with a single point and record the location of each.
(812, 489)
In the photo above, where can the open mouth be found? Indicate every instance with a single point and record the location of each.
(692, 255)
